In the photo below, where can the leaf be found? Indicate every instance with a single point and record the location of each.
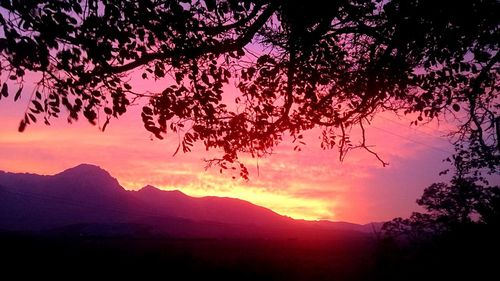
(5, 90)
(108, 111)
(456, 107)
(32, 117)
(147, 110)
(18, 94)
(90, 115)
(22, 126)
(204, 78)
(38, 106)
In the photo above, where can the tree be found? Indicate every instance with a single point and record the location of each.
(451, 206)
(297, 65)
(457, 236)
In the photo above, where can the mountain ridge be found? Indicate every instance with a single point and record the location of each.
(88, 195)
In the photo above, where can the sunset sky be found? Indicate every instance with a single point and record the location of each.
(311, 184)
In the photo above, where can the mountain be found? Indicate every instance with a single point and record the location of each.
(83, 194)
(224, 210)
(87, 200)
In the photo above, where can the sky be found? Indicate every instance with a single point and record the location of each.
(310, 184)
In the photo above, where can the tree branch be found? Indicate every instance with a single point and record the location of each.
(222, 47)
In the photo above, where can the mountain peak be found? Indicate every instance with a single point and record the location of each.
(88, 176)
(85, 169)
(149, 188)
(153, 189)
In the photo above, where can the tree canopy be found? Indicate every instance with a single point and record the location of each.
(297, 65)
(463, 203)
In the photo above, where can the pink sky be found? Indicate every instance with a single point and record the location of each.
(311, 184)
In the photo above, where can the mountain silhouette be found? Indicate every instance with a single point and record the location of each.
(87, 200)
(225, 210)
(83, 194)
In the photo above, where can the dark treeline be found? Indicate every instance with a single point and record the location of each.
(468, 254)
(187, 259)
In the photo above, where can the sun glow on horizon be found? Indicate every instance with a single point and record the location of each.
(281, 203)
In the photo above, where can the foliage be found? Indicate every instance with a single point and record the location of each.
(456, 238)
(297, 65)
(449, 206)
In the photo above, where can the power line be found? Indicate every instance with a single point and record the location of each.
(415, 129)
(412, 140)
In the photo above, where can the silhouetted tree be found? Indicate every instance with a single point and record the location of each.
(489, 208)
(297, 65)
(449, 206)
(456, 238)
